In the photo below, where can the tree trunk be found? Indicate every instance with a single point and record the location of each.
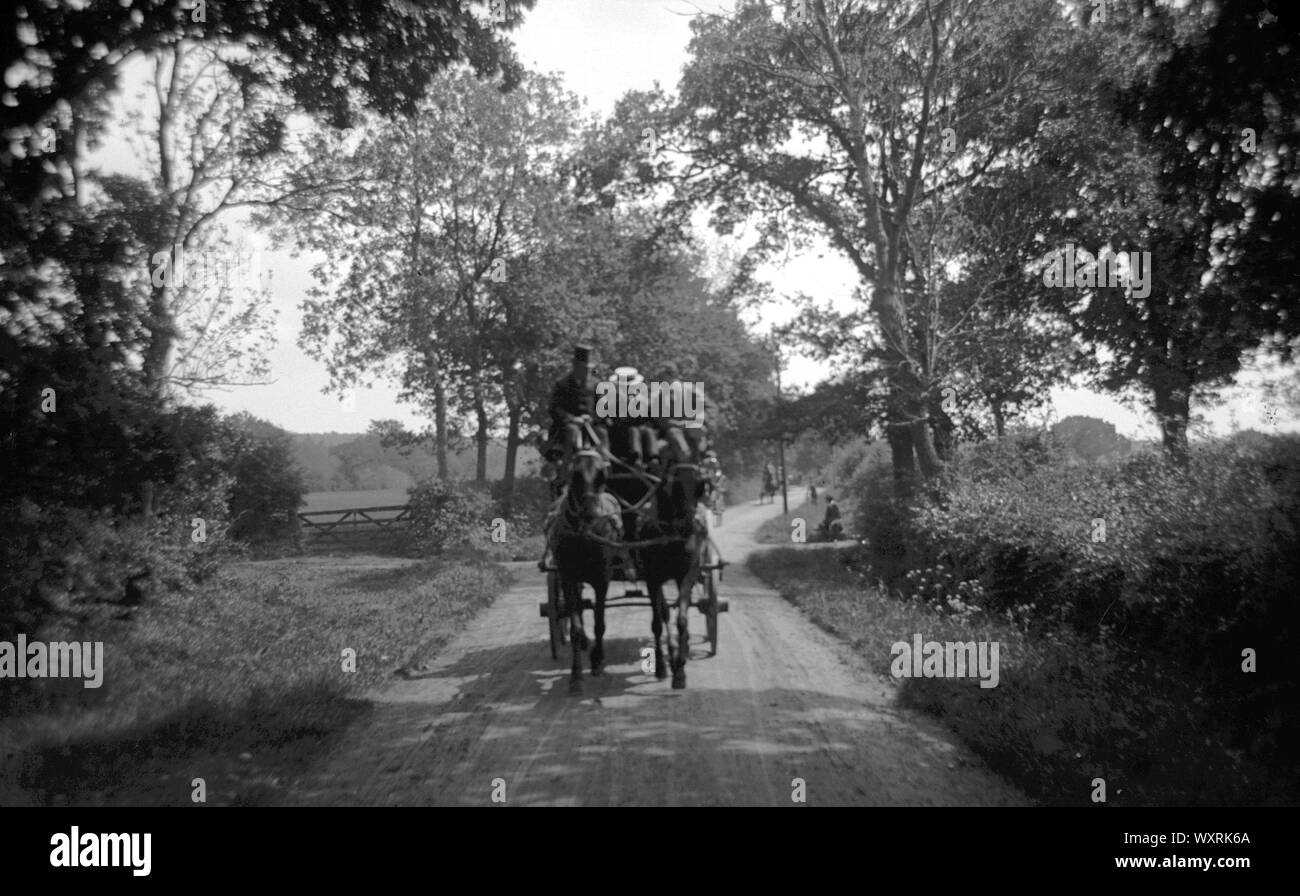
(512, 457)
(999, 417)
(1173, 410)
(161, 336)
(480, 436)
(944, 432)
(440, 425)
(900, 450)
(900, 453)
(906, 411)
(160, 322)
(888, 307)
(923, 444)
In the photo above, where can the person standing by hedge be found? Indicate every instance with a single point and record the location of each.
(831, 526)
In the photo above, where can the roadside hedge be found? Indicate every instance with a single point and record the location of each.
(1195, 564)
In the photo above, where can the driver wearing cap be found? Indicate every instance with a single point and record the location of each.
(571, 405)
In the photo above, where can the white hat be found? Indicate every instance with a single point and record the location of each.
(626, 376)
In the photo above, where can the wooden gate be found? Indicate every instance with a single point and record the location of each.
(339, 524)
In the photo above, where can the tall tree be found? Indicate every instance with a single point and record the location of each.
(466, 207)
(1221, 110)
(994, 349)
(62, 62)
(74, 322)
(211, 144)
(1177, 139)
(844, 121)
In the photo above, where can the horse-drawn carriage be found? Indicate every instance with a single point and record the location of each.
(616, 522)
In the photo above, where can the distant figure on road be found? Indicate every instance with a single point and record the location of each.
(715, 484)
(769, 484)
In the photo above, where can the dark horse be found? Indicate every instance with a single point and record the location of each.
(676, 559)
(586, 541)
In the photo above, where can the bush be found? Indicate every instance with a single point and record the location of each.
(1171, 556)
(196, 486)
(1193, 564)
(881, 517)
(67, 551)
(448, 515)
(529, 504)
(63, 561)
(849, 458)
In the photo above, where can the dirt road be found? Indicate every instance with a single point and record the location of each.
(781, 701)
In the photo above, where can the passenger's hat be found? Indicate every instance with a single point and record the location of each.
(581, 354)
(626, 376)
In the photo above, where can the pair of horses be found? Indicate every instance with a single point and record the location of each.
(669, 544)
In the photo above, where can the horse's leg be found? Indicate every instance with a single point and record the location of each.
(577, 637)
(658, 618)
(574, 602)
(683, 634)
(598, 649)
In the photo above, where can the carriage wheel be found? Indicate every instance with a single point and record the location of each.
(555, 613)
(711, 612)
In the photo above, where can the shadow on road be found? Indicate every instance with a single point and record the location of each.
(504, 714)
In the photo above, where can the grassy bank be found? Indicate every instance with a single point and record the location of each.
(1065, 711)
(779, 529)
(239, 682)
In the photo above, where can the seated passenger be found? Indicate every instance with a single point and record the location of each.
(630, 436)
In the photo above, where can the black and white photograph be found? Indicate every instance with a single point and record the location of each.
(650, 403)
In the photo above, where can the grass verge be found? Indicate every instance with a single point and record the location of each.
(778, 529)
(239, 682)
(1065, 712)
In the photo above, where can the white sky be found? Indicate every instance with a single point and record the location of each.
(602, 48)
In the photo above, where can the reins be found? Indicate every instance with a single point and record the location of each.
(582, 530)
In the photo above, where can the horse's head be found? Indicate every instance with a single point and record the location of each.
(586, 480)
(683, 489)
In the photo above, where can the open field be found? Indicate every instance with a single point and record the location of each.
(384, 497)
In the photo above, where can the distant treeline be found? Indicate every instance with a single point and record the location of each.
(334, 461)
